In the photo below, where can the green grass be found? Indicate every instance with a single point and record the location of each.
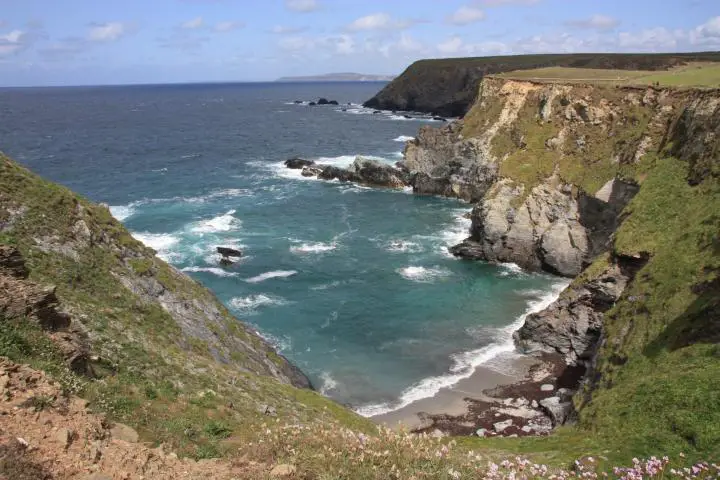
(690, 75)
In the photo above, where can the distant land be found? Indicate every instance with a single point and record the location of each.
(339, 77)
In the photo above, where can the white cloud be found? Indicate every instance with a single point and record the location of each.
(302, 6)
(380, 21)
(11, 43)
(466, 15)
(228, 26)
(193, 24)
(597, 22)
(376, 21)
(450, 46)
(296, 43)
(282, 30)
(107, 32)
(652, 39)
(345, 45)
(709, 29)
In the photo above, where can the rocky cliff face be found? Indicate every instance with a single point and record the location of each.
(601, 184)
(448, 87)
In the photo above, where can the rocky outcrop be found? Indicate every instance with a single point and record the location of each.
(24, 300)
(447, 87)
(298, 163)
(572, 325)
(555, 228)
(363, 171)
(447, 164)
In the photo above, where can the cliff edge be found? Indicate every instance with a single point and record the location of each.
(447, 87)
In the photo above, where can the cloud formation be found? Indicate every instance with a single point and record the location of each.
(302, 6)
(379, 21)
(107, 32)
(466, 15)
(597, 22)
(193, 24)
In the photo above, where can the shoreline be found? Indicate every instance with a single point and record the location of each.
(529, 398)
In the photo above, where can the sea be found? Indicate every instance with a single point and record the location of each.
(354, 285)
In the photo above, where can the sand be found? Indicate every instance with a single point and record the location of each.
(451, 400)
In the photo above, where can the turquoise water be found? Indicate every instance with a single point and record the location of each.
(354, 285)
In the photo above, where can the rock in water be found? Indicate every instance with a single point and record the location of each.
(297, 102)
(312, 104)
(333, 102)
(323, 101)
(229, 252)
(297, 163)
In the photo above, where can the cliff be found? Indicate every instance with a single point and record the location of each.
(81, 299)
(618, 187)
(447, 87)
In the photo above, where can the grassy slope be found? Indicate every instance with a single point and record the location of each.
(691, 75)
(153, 376)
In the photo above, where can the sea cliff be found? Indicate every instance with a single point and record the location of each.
(616, 187)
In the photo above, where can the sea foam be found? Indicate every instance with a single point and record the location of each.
(221, 223)
(268, 275)
(422, 274)
(162, 243)
(248, 305)
(464, 364)
(122, 212)
(403, 138)
(214, 270)
(316, 247)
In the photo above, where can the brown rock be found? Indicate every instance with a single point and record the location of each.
(64, 437)
(283, 470)
(122, 432)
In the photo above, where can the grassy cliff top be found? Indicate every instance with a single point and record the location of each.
(695, 74)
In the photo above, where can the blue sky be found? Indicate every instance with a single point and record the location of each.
(72, 42)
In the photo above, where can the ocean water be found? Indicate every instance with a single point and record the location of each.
(353, 284)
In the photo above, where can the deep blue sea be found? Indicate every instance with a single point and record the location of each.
(354, 285)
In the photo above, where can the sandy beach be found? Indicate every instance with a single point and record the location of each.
(452, 400)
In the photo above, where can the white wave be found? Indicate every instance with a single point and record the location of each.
(214, 270)
(162, 243)
(422, 274)
(328, 383)
(403, 138)
(122, 212)
(464, 364)
(317, 247)
(407, 189)
(268, 275)
(399, 154)
(403, 246)
(400, 117)
(508, 269)
(249, 304)
(221, 223)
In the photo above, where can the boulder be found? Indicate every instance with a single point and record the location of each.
(440, 119)
(312, 104)
(376, 112)
(122, 432)
(372, 172)
(297, 163)
(229, 252)
(12, 262)
(500, 427)
(407, 116)
(333, 102)
(331, 172)
(282, 471)
(297, 102)
(311, 171)
(323, 101)
(557, 410)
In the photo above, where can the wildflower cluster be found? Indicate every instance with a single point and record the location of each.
(326, 449)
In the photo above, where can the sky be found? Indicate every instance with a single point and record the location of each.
(81, 42)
